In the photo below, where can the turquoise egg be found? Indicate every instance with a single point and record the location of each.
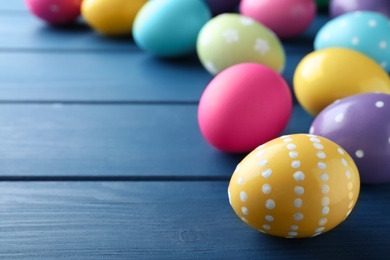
(363, 31)
(169, 28)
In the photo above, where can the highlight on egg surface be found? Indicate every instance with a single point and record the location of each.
(339, 7)
(365, 32)
(111, 17)
(56, 12)
(286, 18)
(326, 75)
(295, 186)
(169, 28)
(244, 106)
(230, 39)
(361, 125)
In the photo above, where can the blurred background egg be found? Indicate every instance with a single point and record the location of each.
(361, 125)
(230, 39)
(339, 7)
(225, 6)
(366, 32)
(326, 75)
(295, 186)
(286, 18)
(56, 12)
(169, 28)
(111, 17)
(244, 106)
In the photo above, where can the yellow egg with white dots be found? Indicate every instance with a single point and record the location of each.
(295, 186)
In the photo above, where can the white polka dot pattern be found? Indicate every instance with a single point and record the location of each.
(307, 170)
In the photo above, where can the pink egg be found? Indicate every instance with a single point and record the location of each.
(286, 18)
(244, 106)
(55, 12)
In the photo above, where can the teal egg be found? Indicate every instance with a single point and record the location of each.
(169, 28)
(363, 31)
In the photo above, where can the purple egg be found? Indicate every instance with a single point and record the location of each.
(361, 125)
(222, 6)
(339, 7)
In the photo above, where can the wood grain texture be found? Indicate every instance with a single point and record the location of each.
(114, 76)
(112, 140)
(167, 220)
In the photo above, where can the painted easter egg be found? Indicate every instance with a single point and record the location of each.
(329, 74)
(366, 32)
(361, 125)
(219, 7)
(339, 7)
(285, 18)
(295, 186)
(111, 17)
(56, 12)
(169, 28)
(230, 39)
(244, 106)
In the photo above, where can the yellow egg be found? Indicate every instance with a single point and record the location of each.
(327, 75)
(295, 186)
(111, 17)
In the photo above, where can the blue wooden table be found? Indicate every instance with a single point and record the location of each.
(101, 157)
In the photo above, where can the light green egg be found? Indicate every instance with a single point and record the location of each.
(230, 39)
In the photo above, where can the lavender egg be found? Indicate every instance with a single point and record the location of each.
(361, 125)
(339, 7)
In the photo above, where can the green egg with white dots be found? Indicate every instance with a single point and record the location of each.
(229, 39)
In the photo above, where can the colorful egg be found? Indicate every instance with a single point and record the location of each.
(339, 7)
(285, 18)
(366, 32)
(244, 106)
(169, 28)
(111, 17)
(219, 7)
(326, 75)
(295, 186)
(56, 12)
(230, 39)
(361, 125)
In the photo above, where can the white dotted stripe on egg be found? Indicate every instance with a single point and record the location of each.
(263, 163)
(243, 196)
(266, 173)
(260, 153)
(269, 218)
(266, 188)
(318, 146)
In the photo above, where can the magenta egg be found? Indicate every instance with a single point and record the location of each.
(361, 125)
(286, 18)
(56, 12)
(339, 7)
(243, 107)
(222, 6)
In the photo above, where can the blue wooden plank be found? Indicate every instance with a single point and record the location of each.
(167, 220)
(21, 31)
(117, 76)
(112, 140)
